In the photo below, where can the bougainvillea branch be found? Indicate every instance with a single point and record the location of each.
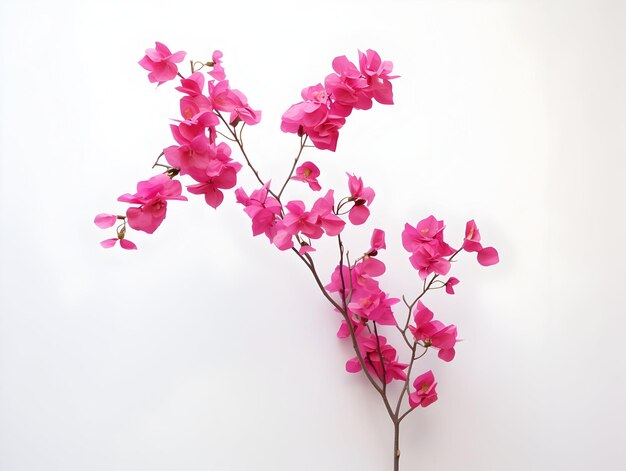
(353, 290)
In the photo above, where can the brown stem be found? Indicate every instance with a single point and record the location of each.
(245, 155)
(295, 162)
(396, 446)
(382, 360)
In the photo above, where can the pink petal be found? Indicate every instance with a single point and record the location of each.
(104, 220)
(447, 355)
(353, 365)
(108, 243)
(359, 214)
(488, 256)
(305, 249)
(127, 244)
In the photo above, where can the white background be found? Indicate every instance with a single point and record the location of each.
(209, 350)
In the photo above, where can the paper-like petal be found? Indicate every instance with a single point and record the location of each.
(488, 256)
(353, 365)
(104, 220)
(447, 355)
(108, 243)
(127, 244)
(359, 214)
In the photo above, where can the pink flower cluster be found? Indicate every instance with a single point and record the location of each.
(196, 152)
(161, 63)
(324, 108)
(294, 223)
(380, 359)
(434, 333)
(152, 197)
(427, 247)
(424, 394)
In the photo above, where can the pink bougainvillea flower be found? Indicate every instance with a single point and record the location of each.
(192, 85)
(314, 117)
(262, 208)
(426, 259)
(198, 156)
(223, 98)
(283, 238)
(377, 353)
(308, 173)
(347, 87)
(365, 272)
(104, 220)
(452, 281)
(308, 113)
(325, 135)
(378, 79)
(434, 333)
(152, 195)
(471, 243)
(375, 307)
(422, 318)
(488, 256)
(362, 197)
(377, 242)
(329, 221)
(299, 220)
(161, 63)
(124, 243)
(218, 71)
(428, 231)
(424, 394)
(444, 338)
(211, 186)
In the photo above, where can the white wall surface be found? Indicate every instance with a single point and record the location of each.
(209, 350)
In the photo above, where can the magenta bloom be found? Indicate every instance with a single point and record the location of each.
(307, 114)
(262, 208)
(213, 182)
(426, 260)
(299, 220)
(374, 360)
(471, 243)
(424, 394)
(223, 98)
(161, 63)
(218, 71)
(325, 135)
(375, 307)
(152, 196)
(428, 231)
(314, 117)
(452, 281)
(434, 333)
(377, 73)
(329, 221)
(362, 197)
(347, 87)
(377, 242)
(486, 256)
(308, 173)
